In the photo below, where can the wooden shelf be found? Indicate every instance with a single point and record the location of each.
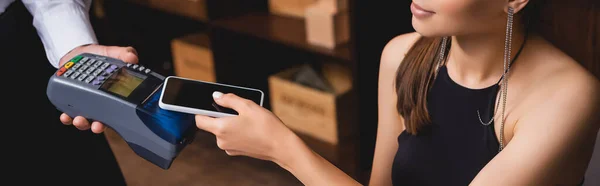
(285, 30)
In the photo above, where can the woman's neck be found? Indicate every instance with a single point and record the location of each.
(477, 60)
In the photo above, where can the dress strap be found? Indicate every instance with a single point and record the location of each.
(515, 58)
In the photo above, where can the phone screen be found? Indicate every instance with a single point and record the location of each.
(198, 95)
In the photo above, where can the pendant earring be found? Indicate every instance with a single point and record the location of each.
(441, 55)
(504, 81)
(442, 51)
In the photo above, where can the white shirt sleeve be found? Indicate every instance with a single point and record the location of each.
(62, 25)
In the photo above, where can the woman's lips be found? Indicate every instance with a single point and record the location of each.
(420, 12)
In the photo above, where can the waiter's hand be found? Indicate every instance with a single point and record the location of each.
(127, 54)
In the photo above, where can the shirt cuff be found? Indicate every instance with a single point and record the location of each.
(63, 27)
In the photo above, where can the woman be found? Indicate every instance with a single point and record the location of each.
(447, 115)
(449, 119)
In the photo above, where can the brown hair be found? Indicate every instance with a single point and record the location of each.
(413, 79)
(417, 70)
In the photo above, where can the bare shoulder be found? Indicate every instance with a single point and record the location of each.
(391, 57)
(576, 95)
(560, 83)
(562, 73)
(557, 102)
(394, 51)
(390, 124)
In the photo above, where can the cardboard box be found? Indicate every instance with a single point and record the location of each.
(319, 118)
(326, 25)
(195, 9)
(297, 8)
(289, 8)
(336, 5)
(192, 57)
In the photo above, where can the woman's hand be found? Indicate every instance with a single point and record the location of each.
(258, 133)
(127, 54)
(255, 132)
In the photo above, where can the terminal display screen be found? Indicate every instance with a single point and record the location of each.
(123, 83)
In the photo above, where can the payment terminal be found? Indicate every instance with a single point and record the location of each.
(125, 98)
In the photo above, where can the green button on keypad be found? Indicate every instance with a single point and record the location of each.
(77, 58)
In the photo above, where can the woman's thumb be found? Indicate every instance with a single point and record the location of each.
(229, 100)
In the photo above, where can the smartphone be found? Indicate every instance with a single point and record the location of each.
(195, 97)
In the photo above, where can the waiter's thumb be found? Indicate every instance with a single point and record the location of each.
(127, 54)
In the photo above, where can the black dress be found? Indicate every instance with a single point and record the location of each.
(455, 146)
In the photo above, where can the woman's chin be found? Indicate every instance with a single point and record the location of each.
(426, 33)
(429, 33)
(426, 30)
(421, 29)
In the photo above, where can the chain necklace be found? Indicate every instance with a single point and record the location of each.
(504, 80)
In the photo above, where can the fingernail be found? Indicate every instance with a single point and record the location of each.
(217, 94)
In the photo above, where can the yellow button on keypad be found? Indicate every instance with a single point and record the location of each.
(69, 64)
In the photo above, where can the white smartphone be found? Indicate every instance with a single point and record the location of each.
(195, 97)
